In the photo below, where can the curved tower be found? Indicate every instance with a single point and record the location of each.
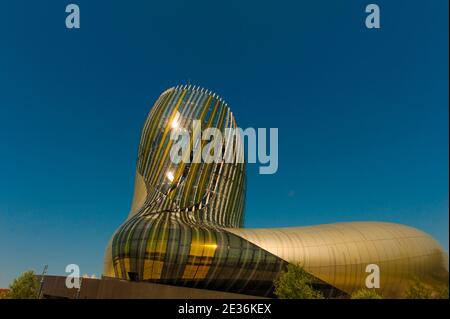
(185, 223)
(212, 193)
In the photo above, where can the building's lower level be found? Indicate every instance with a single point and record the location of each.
(54, 287)
(164, 249)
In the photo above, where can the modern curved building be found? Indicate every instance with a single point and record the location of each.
(185, 223)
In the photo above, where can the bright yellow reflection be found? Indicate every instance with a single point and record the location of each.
(170, 176)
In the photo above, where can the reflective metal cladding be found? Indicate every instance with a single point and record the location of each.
(185, 223)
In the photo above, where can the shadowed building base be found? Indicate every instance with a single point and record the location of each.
(54, 287)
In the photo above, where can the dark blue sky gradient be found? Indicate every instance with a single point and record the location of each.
(362, 114)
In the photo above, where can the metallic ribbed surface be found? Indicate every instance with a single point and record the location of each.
(213, 192)
(162, 248)
(174, 232)
(185, 230)
(339, 253)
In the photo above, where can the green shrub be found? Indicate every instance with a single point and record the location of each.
(366, 294)
(442, 293)
(418, 290)
(295, 283)
(23, 287)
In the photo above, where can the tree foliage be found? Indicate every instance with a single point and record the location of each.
(418, 290)
(442, 293)
(295, 283)
(23, 287)
(366, 294)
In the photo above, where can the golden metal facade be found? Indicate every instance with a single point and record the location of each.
(339, 253)
(206, 192)
(185, 230)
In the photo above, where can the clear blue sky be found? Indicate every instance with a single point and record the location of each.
(362, 114)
